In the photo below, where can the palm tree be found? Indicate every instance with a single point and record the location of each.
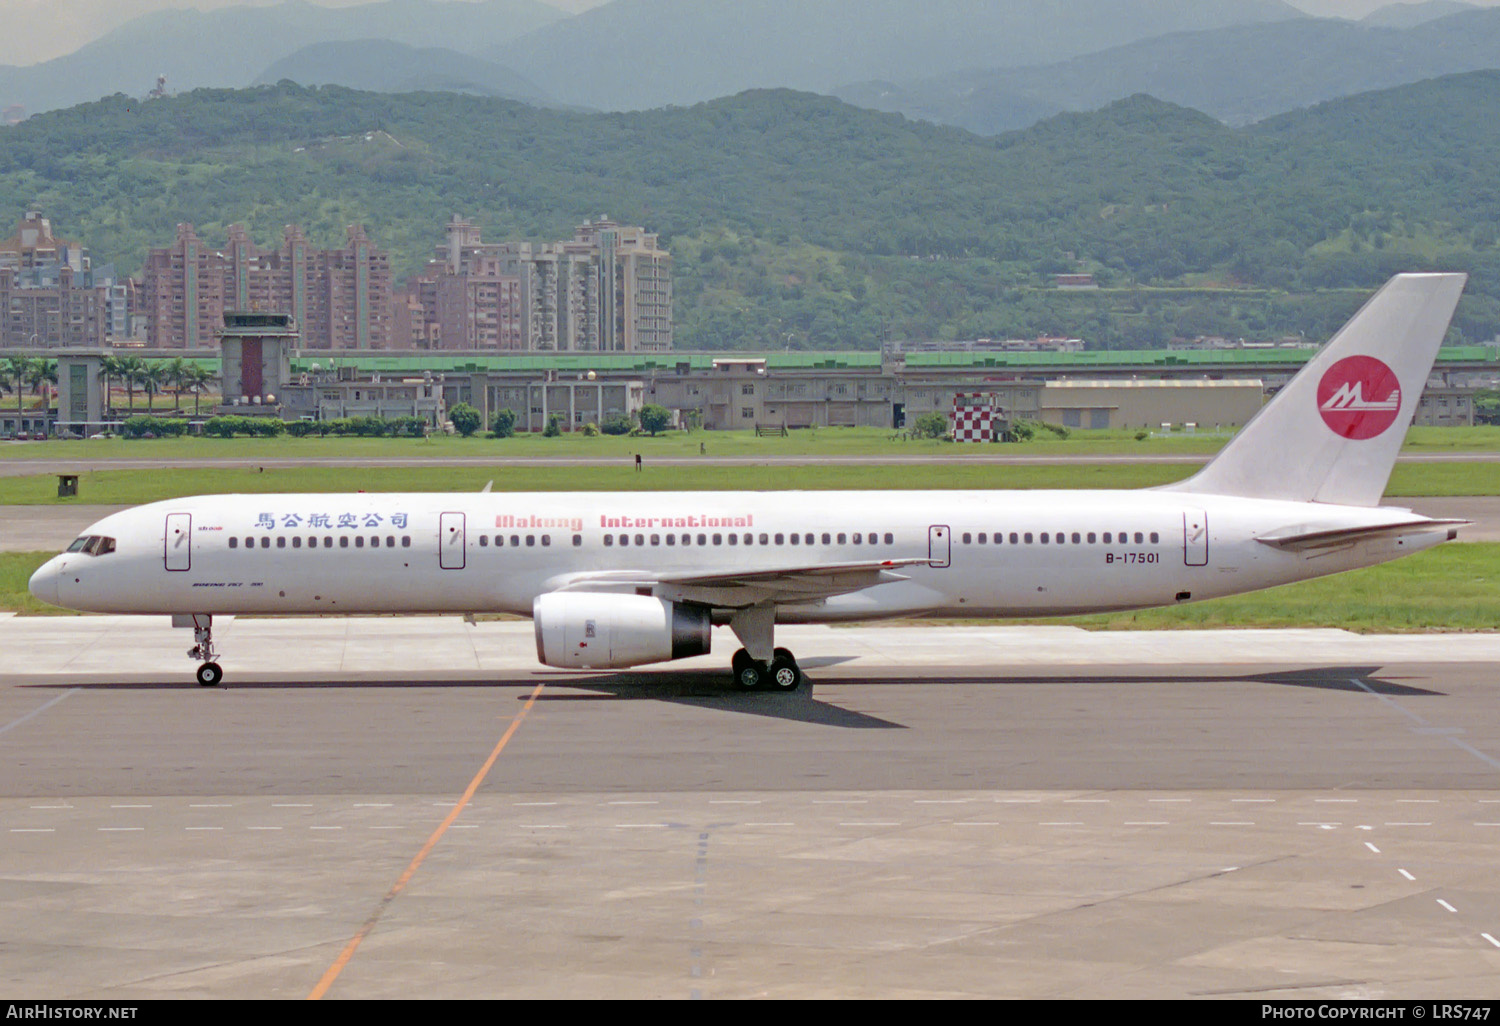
(175, 374)
(130, 369)
(152, 377)
(110, 367)
(13, 373)
(198, 376)
(41, 373)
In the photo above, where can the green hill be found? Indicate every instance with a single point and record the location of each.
(799, 220)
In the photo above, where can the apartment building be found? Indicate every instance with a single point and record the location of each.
(51, 295)
(339, 298)
(608, 289)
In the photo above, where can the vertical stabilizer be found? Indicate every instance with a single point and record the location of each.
(1332, 434)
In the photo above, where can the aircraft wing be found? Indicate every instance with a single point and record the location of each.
(1300, 539)
(739, 588)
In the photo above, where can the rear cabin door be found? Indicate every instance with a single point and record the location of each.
(939, 546)
(179, 546)
(1195, 537)
(451, 541)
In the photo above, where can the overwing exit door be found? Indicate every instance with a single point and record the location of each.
(451, 541)
(939, 546)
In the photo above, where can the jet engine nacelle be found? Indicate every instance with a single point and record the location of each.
(583, 630)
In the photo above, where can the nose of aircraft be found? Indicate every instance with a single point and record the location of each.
(43, 583)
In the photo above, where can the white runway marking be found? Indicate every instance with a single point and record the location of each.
(1447, 906)
(37, 711)
(1406, 874)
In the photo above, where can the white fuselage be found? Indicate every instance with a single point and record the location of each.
(983, 553)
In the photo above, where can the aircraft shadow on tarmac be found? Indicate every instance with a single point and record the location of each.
(712, 690)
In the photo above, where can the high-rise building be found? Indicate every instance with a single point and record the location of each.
(50, 293)
(608, 289)
(339, 298)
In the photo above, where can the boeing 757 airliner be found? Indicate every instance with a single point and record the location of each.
(621, 579)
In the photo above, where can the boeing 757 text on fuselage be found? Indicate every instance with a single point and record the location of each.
(622, 579)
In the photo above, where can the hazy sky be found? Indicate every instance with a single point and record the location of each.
(38, 30)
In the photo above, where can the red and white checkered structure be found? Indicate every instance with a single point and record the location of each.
(973, 416)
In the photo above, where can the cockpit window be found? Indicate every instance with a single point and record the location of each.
(93, 545)
(78, 545)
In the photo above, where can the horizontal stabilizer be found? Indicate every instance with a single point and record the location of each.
(1300, 539)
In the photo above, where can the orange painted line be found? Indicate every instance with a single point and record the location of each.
(437, 835)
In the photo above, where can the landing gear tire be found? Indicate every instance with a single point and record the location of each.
(209, 674)
(785, 674)
(750, 675)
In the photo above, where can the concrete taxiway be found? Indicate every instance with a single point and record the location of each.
(1030, 812)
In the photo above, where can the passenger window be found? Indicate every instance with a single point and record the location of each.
(765, 539)
(406, 541)
(609, 541)
(1013, 537)
(1155, 538)
(578, 540)
(983, 537)
(547, 540)
(734, 539)
(808, 538)
(1138, 538)
(703, 539)
(390, 541)
(1076, 537)
(656, 539)
(375, 540)
(359, 541)
(1044, 537)
(687, 539)
(344, 541)
(843, 538)
(1091, 537)
(265, 543)
(671, 539)
(1108, 537)
(827, 538)
(515, 541)
(640, 539)
(234, 543)
(968, 538)
(1027, 537)
(890, 539)
(328, 542)
(718, 539)
(484, 541)
(795, 539)
(297, 541)
(780, 539)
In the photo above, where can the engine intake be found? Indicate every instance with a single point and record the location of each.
(584, 630)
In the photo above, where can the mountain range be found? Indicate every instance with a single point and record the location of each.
(627, 54)
(1239, 74)
(793, 213)
(233, 46)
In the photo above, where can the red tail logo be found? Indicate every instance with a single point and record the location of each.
(1359, 397)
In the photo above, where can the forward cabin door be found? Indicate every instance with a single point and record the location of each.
(939, 546)
(451, 541)
(1195, 537)
(179, 547)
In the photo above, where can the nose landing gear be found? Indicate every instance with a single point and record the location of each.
(210, 673)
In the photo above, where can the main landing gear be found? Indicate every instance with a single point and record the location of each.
(781, 674)
(758, 666)
(210, 673)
